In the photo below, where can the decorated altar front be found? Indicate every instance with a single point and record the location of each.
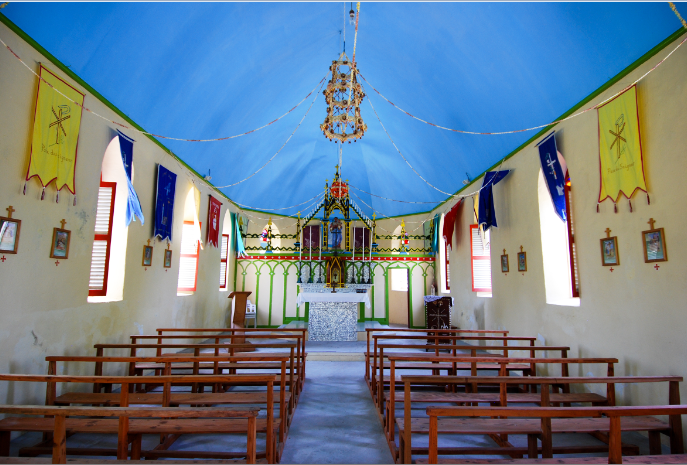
(333, 315)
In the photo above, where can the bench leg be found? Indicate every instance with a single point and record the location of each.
(5, 443)
(654, 443)
(59, 448)
(532, 451)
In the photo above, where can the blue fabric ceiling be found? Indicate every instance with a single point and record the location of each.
(206, 70)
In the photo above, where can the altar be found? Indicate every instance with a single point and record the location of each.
(333, 316)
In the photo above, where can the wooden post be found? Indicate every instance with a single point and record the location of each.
(408, 452)
(675, 421)
(250, 448)
(59, 445)
(123, 431)
(546, 437)
(392, 397)
(610, 387)
(615, 450)
(433, 440)
(270, 422)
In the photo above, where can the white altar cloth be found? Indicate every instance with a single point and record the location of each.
(333, 297)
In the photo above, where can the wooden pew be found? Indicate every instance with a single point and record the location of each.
(498, 363)
(370, 331)
(503, 398)
(169, 398)
(218, 338)
(552, 420)
(136, 427)
(298, 333)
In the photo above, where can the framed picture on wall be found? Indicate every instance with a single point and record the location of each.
(504, 262)
(654, 242)
(9, 235)
(60, 243)
(147, 255)
(609, 251)
(168, 258)
(522, 261)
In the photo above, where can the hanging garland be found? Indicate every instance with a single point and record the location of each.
(150, 133)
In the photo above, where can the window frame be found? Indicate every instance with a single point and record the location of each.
(447, 261)
(574, 277)
(473, 258)
(224, 260)
(197, 257)
(105, 237)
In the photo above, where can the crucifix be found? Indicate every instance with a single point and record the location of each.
(149, 242)
(504, 251)
(10, 210)
(608, 232)
(651, 223)
(57, 262)
(63, 222)
(3, 259)
(520, 249)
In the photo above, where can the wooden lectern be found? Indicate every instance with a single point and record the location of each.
(239, 319)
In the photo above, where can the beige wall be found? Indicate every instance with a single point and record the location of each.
(635, 313)
(44, 310)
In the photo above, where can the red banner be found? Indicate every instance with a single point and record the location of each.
(213, 221)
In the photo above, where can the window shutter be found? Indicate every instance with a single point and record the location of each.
(100, 258)
(188, 261)
(481, 260)
(575, 281)
(224, 256)
(447, 270)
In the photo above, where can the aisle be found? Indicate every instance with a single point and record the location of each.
(335, 421)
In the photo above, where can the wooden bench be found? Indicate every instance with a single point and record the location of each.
(168, 398)
(298, 333)
(148, 420)
(503, 398)
(231, 337)
(543, 422)
(498, 363)
(640, 459)
(472, 350)
(370, 331)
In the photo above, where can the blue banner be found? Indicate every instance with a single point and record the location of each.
(485, 213)
(164, 203)
(552, 167)
(133, 204)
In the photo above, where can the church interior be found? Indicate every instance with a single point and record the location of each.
(384, 232)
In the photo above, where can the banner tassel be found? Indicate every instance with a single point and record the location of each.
(615, 207)
(24, 188)
(57, 199)
(630, 202)
(597, 207)
(43, 194)
(648, 200)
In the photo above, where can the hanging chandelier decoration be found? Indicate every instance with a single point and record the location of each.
(344, 95)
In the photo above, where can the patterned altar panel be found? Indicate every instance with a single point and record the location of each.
(438, 314)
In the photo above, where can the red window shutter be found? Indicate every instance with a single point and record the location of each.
(572, 249)
(480, 258)
(188, 259)
(447, 270)
(100, 258)
(224, 258)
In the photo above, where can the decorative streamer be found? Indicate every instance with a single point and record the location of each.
(158, 135)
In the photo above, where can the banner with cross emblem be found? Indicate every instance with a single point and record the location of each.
(620, 148)
(55, 132)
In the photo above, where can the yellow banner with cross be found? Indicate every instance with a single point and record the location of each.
(55, 132)
(620, 147)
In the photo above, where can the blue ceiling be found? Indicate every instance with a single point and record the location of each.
(207, 70)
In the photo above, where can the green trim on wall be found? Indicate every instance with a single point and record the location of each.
(24, 36)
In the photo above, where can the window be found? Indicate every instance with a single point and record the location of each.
(558, 250)
(399, 279)
(188, 263)
(100, 259)
(481, 260)
(224, 256)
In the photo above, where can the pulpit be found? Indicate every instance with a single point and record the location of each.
(239, 318)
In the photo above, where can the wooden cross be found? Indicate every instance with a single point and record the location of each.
(651, 223)
(63, 222)
(504, 251)
(10, 210)
(148, 242)
(608, 232)
(520, 248)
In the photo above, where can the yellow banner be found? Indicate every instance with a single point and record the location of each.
(620, 150)
(55, 132)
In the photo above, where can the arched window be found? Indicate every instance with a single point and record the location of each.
(190, 247)
(396, 241)
(108, 259)
(558, 250)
